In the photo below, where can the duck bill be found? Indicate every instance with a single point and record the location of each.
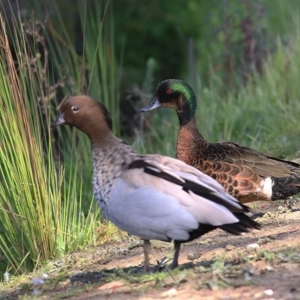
(153, 105)
(60, 120)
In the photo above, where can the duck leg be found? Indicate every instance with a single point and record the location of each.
(176, 255)
(146, 255)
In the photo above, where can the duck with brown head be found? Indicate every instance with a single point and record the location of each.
(79, 110)
(151, 196)
(245, 173)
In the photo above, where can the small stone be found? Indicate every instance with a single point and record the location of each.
(193, 256)
(229, 247)
(281, 207)
(269, 268)
(253, 246)
(37, 280)
(269, 292)
(170, 293)
(6, 276)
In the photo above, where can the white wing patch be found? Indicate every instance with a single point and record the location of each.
(266, 187)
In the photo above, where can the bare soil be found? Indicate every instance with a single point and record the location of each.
(261, 264)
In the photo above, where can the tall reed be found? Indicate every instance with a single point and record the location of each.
(46, 205)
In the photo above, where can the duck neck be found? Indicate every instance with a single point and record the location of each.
(189, 141)
(112, 151)
(110, 157)
(186, 108)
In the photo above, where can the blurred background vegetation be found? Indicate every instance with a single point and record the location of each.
(240, 56)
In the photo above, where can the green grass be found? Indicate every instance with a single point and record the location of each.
(46, 203)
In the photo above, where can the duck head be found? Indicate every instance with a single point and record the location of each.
(176, 94)
(86, 114)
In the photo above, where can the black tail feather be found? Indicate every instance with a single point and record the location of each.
(244, 225)
(285, 187)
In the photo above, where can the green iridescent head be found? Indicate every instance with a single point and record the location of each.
(177, 94)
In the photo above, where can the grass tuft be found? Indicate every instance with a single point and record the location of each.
(46, 202)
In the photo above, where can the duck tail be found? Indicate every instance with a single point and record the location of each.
(284, 187)
(244, 225)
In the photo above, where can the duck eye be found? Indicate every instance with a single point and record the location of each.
(169, 91)
(75, 109)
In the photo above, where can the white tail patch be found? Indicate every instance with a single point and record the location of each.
(266, 187)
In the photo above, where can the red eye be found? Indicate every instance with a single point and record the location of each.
(169, 91)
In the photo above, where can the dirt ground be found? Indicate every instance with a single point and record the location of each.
(262, 264)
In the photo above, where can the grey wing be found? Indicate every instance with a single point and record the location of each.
(149, 213)
(153, 208)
